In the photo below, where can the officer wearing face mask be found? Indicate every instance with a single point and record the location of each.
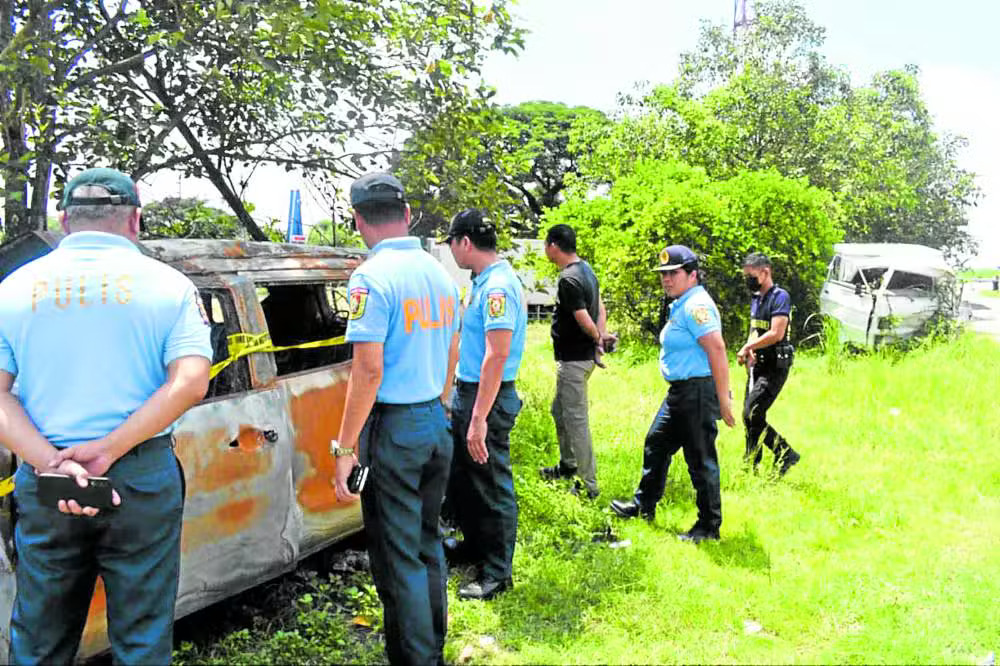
(767, 356)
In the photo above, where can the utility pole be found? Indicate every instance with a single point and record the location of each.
(742, 14)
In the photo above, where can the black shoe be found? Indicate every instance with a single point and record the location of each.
(457, 552)
(631, 509)
(785, 462)
(559, 471)
(697, 534)
(484, 589)
(578, 490)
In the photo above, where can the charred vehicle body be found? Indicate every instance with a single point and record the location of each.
(255, 451)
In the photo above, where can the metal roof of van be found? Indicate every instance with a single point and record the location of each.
(903, 255)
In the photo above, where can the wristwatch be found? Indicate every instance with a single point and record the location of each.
(337, 451)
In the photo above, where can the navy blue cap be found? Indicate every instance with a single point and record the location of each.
(121, 189)
(376, 187)
(469, 222)
(675, 256)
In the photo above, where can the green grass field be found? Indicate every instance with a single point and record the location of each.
(882, 546)
(974, 273)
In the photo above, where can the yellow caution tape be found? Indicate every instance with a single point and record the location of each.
(244, 344)
(240, 345)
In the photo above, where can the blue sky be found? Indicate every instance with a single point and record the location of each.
(586, 51)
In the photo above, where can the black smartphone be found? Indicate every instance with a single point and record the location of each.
(357, 478)
(54, 487)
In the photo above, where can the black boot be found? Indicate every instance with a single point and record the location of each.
(631, 509)
(785, 460)
(698, 533)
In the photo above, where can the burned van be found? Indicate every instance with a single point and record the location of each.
(884, 292)
(255, 451)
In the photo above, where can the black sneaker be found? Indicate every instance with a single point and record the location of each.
(484, 589)
(631, 509)
(697, 534)
(556, 472)
(787, 461)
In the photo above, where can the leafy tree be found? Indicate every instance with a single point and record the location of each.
(326, 232)
(767, 98)
(662, 202)
(176, 217)
(513, 161)
(214, 89)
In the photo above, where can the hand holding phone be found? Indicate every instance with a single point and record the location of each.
(53, 487)
(357, 478)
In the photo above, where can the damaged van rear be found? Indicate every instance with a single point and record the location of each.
(881, 293)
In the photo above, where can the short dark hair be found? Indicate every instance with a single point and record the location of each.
(485, 240)
(381, 212)
(757, 260)
(563, 236)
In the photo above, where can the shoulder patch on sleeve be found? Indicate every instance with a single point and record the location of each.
(359, 299)
(701, 314)
(496, 304)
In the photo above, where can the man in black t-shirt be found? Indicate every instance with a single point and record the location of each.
(578, 339)
(767, 355)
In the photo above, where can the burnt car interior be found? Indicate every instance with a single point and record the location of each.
(223, 322)
(299, 313)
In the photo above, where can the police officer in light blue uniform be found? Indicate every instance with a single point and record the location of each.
(486, 405)
(109, 348)
(404, 329)
(693, 360)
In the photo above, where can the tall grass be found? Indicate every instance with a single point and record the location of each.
(882, 545)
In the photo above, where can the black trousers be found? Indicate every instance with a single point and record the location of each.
(686, 421)
(763, 386)
(483, 495)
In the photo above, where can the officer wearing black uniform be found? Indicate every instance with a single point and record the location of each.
(767, 355)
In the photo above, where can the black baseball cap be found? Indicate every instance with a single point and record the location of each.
(376, 187)
(121, 189)
(676, 256)
(469, 222)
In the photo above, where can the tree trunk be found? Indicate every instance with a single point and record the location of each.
(217, 179)
(214, 175)
(13, 170)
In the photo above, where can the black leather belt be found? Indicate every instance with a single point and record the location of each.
(468, 385)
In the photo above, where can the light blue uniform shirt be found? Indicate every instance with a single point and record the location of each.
(404, 298)
(691, 316)
(495, 303)
(89, 329)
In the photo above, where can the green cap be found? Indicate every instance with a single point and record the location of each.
(121, 189)
(376, 187)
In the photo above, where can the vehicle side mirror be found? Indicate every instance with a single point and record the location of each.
(857, 289)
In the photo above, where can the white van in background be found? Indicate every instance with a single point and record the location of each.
(883, 292)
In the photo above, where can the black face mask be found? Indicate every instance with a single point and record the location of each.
(753, 284)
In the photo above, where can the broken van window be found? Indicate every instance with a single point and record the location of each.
(903, 280)
(872, 277)
(224, 322)
(299, 313)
